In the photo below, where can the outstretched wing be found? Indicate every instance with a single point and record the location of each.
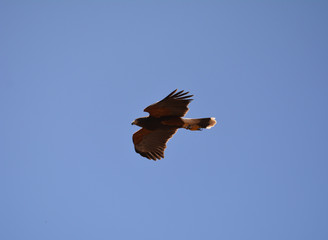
(175, 104)
(151, 144)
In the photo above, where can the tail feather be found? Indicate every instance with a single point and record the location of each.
(198, 123)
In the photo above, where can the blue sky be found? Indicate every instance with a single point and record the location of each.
(74, 75)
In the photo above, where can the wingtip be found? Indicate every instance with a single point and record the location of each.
(172, 93)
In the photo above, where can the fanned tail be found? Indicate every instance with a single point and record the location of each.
(198, 123)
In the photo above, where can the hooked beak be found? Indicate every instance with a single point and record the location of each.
(133, 123)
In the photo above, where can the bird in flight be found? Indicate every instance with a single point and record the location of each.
(165, 118)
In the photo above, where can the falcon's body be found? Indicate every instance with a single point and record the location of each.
(153, 123)
(166, 116)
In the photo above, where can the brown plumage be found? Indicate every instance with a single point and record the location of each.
(165, 117)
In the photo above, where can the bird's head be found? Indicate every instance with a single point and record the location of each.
(138, 121)
(134, 122)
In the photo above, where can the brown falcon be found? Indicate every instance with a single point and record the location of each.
(165, 117)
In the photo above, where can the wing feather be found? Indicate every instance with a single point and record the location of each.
(174, 104)
(151, 144)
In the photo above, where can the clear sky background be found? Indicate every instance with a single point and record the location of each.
(75, 74)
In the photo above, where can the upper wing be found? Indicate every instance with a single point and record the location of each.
(175, 104)
(151, 144)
